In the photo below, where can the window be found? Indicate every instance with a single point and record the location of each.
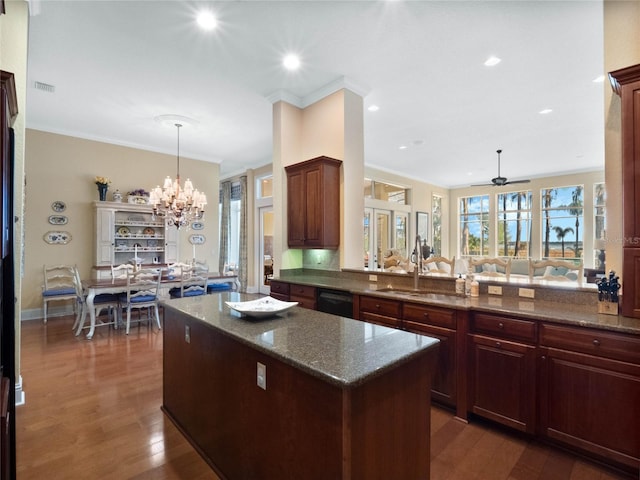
(385, 191)
(264, 186)
(514, 224)
(474, 225)
(562, 219)
(233, 253)
(599, 235)
(436, 222)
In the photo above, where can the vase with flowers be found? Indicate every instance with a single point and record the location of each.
(103, 186)
(139, 196)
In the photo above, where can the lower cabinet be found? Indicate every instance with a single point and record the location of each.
(439, 323)
(279, 290)
(502, 371)
(381, 311)
(590, 391)
(305, 295)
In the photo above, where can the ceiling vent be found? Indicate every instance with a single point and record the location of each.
(45, 87)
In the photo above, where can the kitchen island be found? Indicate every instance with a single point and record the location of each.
(344, 399)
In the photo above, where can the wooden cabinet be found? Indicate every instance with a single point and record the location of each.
(305, 295)
(626, 83)
(279, 290)
(590, 391)
(381, 311)
(439, 323)
(313, 203)
(124, 230)
(502, 372)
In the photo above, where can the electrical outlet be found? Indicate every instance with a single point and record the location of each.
(262, 376)
(373, 278)
(527, 292)
(494, 290)
(187, 333)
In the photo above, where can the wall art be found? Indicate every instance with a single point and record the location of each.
(57, 238)
(58, 220)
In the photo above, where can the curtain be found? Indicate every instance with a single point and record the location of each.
(242, 268)
(225, 219)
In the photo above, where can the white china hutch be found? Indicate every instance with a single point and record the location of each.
(126, 233)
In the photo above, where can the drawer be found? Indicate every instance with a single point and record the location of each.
(302, 291)
(504, 327)
(381, 320)
(380, 306)
(279, 296)
(612, 345)
(279, 287)
(441, 317)
(304, 302)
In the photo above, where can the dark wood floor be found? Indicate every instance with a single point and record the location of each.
(93, 412)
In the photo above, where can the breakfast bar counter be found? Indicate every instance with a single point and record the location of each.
(302, 394)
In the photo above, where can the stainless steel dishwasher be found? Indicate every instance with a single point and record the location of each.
(336, 302)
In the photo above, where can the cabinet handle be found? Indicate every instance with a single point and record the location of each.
(543, 358)
(498, 344)
(377, 305)
(596, 342)
(426, 314)
(501, 325)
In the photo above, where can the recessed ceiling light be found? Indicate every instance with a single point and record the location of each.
(545, 111)
(491, 61)
(402, 147)
(373, 108)
(207, 20)
(599, 79)
(291, 62)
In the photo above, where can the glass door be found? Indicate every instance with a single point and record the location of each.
(266, 249)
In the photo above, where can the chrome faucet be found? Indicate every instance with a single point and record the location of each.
(418, 263)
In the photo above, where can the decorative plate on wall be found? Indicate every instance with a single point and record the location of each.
(197, 225)
(197, 239)
(57, 238)
(58, 220)
(58, 206)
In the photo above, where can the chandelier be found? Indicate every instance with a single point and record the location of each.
(179, 205)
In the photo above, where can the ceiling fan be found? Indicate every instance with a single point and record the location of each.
(499, 181)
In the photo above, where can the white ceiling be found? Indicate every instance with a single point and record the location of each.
(116, 65)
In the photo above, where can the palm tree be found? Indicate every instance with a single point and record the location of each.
(518, 196)
(504, 224)
(561, 233)
(575, 209)
(547, 199)
(465, 227)
(600, 209)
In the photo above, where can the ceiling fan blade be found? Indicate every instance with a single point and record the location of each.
(517, 181)
(483, 185)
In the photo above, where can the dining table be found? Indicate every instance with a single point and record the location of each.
(94, 287)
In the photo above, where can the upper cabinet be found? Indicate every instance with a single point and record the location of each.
(626, 83)
(313, 205)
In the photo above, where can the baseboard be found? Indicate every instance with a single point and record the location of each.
(38, 313)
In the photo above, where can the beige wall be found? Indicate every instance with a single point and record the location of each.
(332, 126)
(63, 168)
(622, 49)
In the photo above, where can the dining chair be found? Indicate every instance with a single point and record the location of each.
(491, 267)
(193, 282)
(142, 292)
(59, 285)
(556, 270)
(439, 265)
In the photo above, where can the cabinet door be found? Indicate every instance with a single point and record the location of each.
(502, 383)
(170, 244)
(314, 215)
(105, 232)
(591, 403)
(443, 386)
(296, 208)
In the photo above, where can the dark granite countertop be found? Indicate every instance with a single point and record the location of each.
(566, 313)
(339, 350)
